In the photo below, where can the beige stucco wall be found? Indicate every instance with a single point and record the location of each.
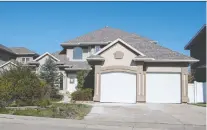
(85, 53)
(19, 59)
(69, 53)
(140, 68)
(109, 56)
(163, 69)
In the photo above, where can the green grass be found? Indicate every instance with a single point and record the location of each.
(57, 110)
(200, 104)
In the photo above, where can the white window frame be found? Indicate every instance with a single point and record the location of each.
(25, 60)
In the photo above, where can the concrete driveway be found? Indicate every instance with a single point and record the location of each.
(182, 115)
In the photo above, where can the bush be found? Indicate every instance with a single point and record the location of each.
(83, 95)
(20, 84)
(43, 103)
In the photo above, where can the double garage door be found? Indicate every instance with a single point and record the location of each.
(120, 87)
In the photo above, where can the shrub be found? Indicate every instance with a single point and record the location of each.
(43, 103)
(20, 84)
(83, 95)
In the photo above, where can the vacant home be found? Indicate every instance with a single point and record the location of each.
(197, 47)
(127, 68)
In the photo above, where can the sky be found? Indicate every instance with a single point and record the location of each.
(43, 26)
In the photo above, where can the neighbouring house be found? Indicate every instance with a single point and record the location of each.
(197, 47)
(127, 68)
(11, 56)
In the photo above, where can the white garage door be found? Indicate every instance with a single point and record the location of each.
(163, 88)
(118, 87)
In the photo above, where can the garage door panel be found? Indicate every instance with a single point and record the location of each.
(163, 88)
(118, 87)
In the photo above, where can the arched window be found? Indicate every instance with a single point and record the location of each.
(77, 53)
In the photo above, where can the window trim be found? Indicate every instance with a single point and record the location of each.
(25, 59)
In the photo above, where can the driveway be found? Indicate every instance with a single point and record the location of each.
(182, 115)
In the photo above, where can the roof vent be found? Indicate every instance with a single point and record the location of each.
(155, 42)
(106, 26)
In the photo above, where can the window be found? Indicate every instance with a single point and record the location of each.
(72, 80)
(97, 48)
(77, 53)
(27, 59)
(23, 60)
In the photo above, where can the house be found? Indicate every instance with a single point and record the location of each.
(10, 56)
(197, 47)
(127, 68)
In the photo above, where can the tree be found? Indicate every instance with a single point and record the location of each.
(50, 73)
(81, 78)
(20, 84)
(191, 77)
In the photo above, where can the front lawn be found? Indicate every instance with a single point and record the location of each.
(56, 110)
(200, 104)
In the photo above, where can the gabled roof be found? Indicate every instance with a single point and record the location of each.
(46, 53)
(2, 47)
(200, 32)
(22, 51)
(121, 41)
(8, 62)
(146, 46)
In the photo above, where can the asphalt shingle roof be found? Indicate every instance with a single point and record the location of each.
(144, 45)
(2, 47)
(22, 50)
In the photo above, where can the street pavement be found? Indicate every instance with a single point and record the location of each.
(117, 117)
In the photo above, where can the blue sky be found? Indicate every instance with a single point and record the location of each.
(42, 26)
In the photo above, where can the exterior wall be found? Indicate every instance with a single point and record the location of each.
(69, 53)
(109, 56)
(71, 87)
(198, 51)
(124, 64)
(19, 58)
(111, 64)
(87, 51)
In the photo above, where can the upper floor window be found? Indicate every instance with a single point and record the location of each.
(25, 60)
(97, 48)
(77, 53)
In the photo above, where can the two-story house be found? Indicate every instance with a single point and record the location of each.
(10, 56)
(197, 47)
(127, 68)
